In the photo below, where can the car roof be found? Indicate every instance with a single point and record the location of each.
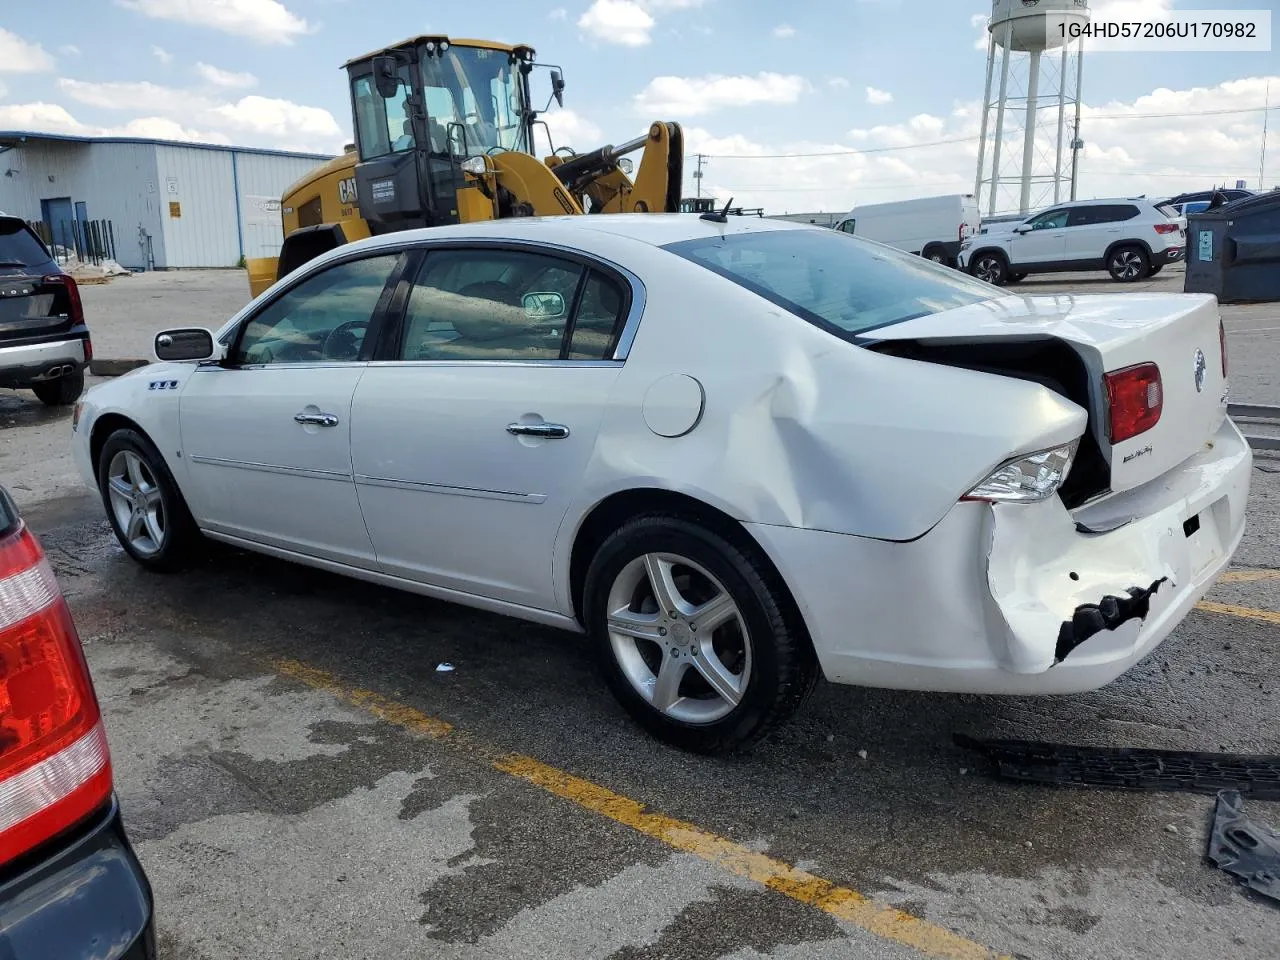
(655, 229)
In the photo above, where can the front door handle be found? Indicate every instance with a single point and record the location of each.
(550, 431)
(319, 419)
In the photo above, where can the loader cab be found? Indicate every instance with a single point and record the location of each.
(423, 107)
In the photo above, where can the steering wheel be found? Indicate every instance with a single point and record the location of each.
(342, 342)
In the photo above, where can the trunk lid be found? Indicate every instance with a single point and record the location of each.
(1180, 333)
(37, 303)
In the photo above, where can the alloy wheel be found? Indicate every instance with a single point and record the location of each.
(679, 638)
(1127, 265)
(988, 269)
(136, 502)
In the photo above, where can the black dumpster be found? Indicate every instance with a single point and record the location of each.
(1233, 251)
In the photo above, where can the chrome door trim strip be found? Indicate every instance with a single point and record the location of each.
(272, 468)
(419, 487)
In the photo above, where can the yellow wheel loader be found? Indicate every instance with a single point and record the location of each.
(444, 134)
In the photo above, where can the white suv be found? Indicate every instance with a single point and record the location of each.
(1130, 239)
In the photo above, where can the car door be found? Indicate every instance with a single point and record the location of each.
(266, 433)
(1086, 229)
(1042, 240)
(469, 443)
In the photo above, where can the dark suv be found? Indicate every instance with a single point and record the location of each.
(71, 887)
(44, 343)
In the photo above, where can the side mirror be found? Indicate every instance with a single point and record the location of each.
(541, 307)
(185, 343)
(557, 86)
(1023, 228)
(385, 77)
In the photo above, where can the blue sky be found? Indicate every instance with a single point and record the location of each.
(743, 76)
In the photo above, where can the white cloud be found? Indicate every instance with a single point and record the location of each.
(22, 56)
(784, 31)
(617, 21)
(4, 91)
(45, 117)
(878, 98)
(691, 96)
(225, 78)
(264, 121)
(838, 83)
(161, 54)
(265, 21)
(559, 13)
(568, 129)
(69, 50)
(670, 4)
(978, 20)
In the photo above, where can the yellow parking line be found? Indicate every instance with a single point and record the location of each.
(841, 903)
(1248, 576)
(1245, 613)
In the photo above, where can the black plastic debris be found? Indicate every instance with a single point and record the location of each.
(1125, 768)
(1247, 850)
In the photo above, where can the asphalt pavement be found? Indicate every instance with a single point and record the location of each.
(302, 779)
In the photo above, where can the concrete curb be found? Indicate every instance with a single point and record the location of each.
(114, 368)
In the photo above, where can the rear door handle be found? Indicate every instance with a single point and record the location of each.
(550, 431)
(319, 419)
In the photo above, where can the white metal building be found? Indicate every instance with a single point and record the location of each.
(169, 204)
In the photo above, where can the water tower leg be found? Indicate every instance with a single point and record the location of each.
(986, 115)
(1062, 109)
(1004, 92)
(1029, 134)
(1075, 150)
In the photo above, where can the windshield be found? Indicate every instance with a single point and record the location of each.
(479, 91)
(841, 283)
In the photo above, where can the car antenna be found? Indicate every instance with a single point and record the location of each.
(721, 217)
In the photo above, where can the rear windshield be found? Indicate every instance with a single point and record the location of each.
(843, 284)
(19, 246)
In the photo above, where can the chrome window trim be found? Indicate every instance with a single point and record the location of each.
(574, 364)
(339, 255)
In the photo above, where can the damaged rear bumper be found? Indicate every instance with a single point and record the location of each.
(1021, 599)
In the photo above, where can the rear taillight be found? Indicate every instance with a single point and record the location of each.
(75, 309)
(1163, 228)
(1136, 398)
(1222, 342)
(54, 766)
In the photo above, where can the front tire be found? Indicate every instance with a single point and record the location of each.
(697, 638)
(144, 505)
(60, 392)
(991, 267)
(1128, 264)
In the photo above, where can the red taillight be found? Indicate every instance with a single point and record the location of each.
(1136, 398)
(75, 309)
(1222, 342)
(54, 766)
(1167, 228)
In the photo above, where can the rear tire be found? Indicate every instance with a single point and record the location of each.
(991, 267)
(937, 255)
(1128, 264)
(144, 505)
(60, 392)
(1155, 270)
(662, 668)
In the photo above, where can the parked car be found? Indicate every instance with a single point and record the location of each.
(738, 452)
(1130, 239)
(44, 343)
(930, 227)
(70, 885)
(1206, 197)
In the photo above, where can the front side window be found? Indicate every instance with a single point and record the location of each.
(382, 126)
(474, 101)
(323, 318)
(842, 284)
(848, 226)
(1053, 220)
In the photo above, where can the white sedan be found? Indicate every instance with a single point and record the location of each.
(739, 454)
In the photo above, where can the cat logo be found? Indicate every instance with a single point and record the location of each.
(347, 191)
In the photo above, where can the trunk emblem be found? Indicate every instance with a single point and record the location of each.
(1201, 368)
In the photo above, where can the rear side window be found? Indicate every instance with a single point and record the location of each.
(845, 285)
(19, 247)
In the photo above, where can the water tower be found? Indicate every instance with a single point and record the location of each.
(1041, 69)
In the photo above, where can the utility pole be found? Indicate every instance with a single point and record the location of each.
(697, 174)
